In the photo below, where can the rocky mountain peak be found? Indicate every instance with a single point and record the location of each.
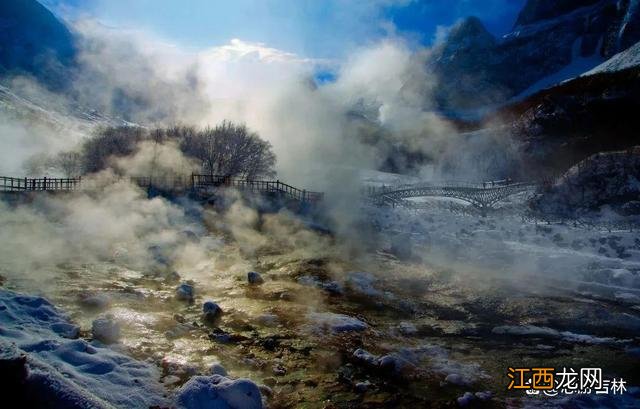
(471, 32)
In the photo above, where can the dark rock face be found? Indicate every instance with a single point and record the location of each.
(475, 69)
(536, 10)
(34, 41)
(567, 123)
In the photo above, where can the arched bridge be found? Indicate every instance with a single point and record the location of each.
(483, 196)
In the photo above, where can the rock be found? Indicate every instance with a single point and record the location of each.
(177, 366)
(394, 364)
(106, 329)
(217, 392)
(97, 301)
(185, 292)
(361, 284)
(484, 396)
(172, 277)
(455, 379)
(254, 278)
(211, 312)
(279, 370)
(217, 369)
(466, 399)
(336, 322)
(362, 387)
(407, 328)
(268, 320)
(265, 390)
(178, 331)
(365, 357)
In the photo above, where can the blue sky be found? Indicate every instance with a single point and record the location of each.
(310, 28)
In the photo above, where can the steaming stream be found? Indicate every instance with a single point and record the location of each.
(444, 330)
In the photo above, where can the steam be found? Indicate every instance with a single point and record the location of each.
(156, 160)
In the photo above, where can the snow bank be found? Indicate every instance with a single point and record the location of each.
(69, 373)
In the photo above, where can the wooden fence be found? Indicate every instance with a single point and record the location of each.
(9, 184)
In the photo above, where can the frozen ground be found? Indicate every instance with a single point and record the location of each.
(518, 249)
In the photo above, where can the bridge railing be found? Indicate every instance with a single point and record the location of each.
(9, 184)
(445, 184)
(263, 186)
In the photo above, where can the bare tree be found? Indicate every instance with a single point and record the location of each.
(110, 142)
(69, 163)
(230, 149)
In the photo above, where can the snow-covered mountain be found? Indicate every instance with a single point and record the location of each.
(552, 40)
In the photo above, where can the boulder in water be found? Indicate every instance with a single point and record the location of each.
(185, 292)
(211, 311)
(254, 277)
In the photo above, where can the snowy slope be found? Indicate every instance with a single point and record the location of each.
(626, 59)
(66, 372)
(575, 68)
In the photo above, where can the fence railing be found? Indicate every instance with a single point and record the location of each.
(264, 186)
(9, 184)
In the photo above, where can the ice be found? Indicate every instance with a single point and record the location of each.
(219, 392)
(70, 373)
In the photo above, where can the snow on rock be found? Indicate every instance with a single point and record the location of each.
(545, 332)
(327, 321)
(219, 392)
(254, 278)
(59, 372)
(106, 329)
